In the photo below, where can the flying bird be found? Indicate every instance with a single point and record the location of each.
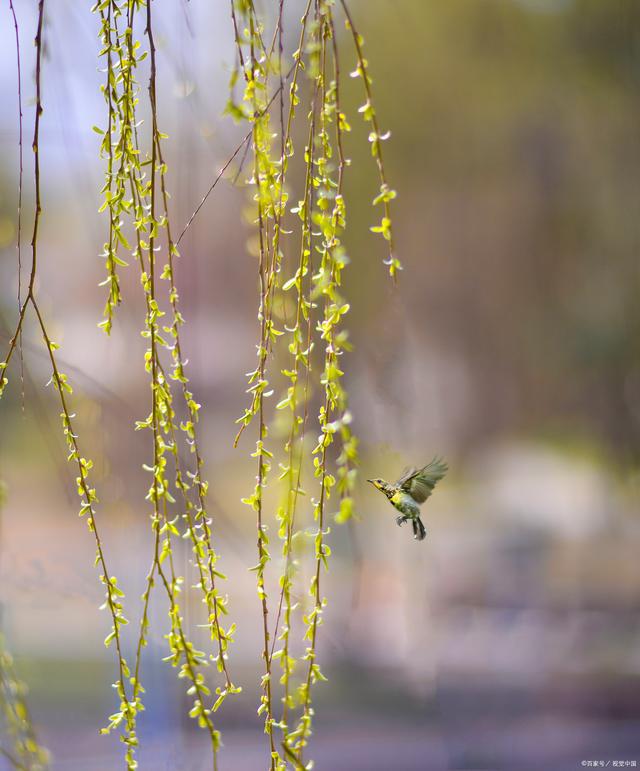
(412, 489)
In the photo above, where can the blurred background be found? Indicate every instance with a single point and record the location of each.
(510, 638)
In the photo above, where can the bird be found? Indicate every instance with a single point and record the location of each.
(413, 488)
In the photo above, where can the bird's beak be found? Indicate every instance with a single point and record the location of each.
(371, 480)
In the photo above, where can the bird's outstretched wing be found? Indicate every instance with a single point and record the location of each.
(419, 483)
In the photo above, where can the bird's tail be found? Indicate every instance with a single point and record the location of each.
(419, 530)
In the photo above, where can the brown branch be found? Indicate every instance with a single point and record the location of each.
(234, 154)
(87, 494)
(362, 66)
(20, 177)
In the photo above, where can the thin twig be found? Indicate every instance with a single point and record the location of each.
(233, 155)
(392, 261)
(19, 227)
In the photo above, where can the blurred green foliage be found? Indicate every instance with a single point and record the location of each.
(515, 145)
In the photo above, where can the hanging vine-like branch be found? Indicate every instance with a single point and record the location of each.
(137, 200)
(113, 594)
(318, 316)
(300, 258)
(16, 727)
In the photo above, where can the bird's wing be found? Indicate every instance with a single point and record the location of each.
(419, 483)
(406, 475)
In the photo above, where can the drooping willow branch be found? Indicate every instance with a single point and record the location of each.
(255, 70)
(20, 180)
(301, 343)
(296, 400)
(113, 595)
(16, 727)
(318, 314)
(386, 194)
(137, 199)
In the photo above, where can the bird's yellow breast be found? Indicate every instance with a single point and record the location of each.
(405, 504)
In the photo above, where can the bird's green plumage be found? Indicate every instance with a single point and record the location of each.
(412, 489)
(419, 483)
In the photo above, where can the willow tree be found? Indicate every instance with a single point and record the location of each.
(280, 95)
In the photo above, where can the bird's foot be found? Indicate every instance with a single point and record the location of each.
(400, 521)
